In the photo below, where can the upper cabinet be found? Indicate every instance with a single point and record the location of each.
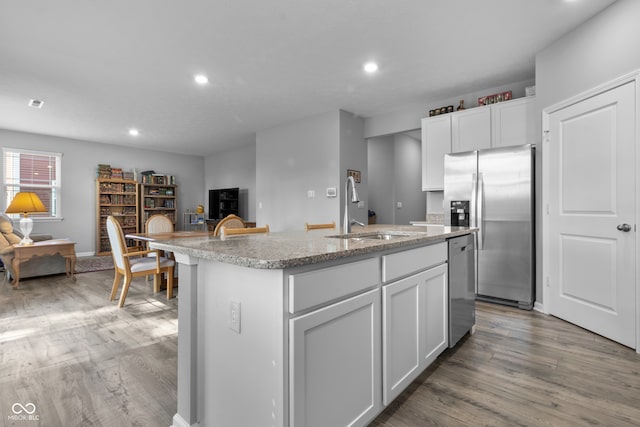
(497, 125)
(471, 130)
(514, 122)
(436, 142)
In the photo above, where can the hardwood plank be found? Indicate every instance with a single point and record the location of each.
(84, 362)
(527, 369)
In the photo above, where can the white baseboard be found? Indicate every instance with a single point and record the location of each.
(178, 421)
(538, 306)
(82, 254)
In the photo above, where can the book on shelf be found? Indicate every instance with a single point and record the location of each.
(152, 178)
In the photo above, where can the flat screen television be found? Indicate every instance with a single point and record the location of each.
(223, 202)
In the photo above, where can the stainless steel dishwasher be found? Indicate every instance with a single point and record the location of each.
(462, 286)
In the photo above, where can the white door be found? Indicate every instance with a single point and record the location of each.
(591, 201)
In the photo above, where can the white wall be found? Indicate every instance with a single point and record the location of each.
(600, 50)
(230, 169)
(291, 160)
(79, 162)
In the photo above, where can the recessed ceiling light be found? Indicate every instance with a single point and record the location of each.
(201, 79)
(370, 67)
(36, 103)
(134, 132)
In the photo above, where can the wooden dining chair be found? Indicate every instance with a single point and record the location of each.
(308, 226)
(128, 265)
(158, 224)
(230, 221)
(225, 232)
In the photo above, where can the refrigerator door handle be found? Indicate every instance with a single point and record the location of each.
(474, 200)
(479, 213)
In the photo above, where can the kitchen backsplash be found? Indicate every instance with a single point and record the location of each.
(435, 218)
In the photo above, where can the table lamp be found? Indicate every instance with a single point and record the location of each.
(26, 203)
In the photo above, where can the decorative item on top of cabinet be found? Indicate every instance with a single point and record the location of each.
(495, 98)
(158, 196)
(461, 106)
(118, 198)
(441, 110)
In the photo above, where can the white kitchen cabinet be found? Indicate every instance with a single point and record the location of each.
(436, 142)
(503, 124)
(414, 327)
(471, 129)
(335, 364)
(514, 122)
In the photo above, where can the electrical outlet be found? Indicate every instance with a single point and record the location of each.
(311, 194)
(234, 316)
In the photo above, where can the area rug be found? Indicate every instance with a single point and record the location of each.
(86, 264)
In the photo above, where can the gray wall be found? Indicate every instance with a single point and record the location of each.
(234, 168)
(602, 49)
(79, 162)
(408, 117)
(381, 178)
(353, 155)
(395, 176)
(291, 160)
(408, 180)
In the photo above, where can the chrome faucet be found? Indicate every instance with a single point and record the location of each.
(347, 220)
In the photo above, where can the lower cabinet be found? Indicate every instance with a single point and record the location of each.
(414, 327)
(334, 371)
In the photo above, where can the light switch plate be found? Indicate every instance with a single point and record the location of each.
(332, 192)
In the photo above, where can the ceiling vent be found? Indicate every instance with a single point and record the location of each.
(36, 103)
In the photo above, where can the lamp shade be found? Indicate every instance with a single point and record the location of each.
(25, 203)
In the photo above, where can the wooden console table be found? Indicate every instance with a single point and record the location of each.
(65, 248)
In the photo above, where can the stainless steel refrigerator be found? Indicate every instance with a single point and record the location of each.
(493, 190)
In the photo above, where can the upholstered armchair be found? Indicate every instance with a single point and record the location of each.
(39, 266)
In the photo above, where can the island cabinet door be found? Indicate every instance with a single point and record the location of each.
(335, 367)
(414, 327)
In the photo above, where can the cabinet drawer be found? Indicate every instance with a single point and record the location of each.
(402, 264)
(316, 287)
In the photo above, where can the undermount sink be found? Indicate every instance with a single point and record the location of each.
(378, 235)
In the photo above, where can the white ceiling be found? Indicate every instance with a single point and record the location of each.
(103, 67)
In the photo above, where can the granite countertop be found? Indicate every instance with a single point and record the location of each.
(278, 250)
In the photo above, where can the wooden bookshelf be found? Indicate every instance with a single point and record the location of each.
(158, 195)
(119, 198)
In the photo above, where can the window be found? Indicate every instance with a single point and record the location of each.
(34, 171)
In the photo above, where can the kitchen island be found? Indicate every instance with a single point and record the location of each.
(307, 328)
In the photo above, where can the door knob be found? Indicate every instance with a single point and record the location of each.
(624, 227)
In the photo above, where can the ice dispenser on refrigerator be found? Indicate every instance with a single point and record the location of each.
(460, 213)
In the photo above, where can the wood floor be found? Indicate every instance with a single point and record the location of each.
(83, 362)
